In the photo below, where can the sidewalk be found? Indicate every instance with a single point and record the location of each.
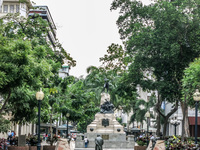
(103, 149)
(72, 147)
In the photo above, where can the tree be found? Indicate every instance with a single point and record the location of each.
(80, 103)
(5, 124)
(190, 82)
(162, 38)
(139, 113)
(27, 63)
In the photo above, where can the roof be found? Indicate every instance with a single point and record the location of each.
(64, 127)
(40, 8)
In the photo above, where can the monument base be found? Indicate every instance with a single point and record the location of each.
(106, 125)
(116, 142)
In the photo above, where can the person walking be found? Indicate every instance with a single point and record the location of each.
(86, 142)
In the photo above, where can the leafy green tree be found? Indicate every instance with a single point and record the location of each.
(162, 38)
(27, 62)
(5, 124)
(190, 82)
(139, 113)
(80, 103)
(116, 59)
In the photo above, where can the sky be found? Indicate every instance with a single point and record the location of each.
(85, 28)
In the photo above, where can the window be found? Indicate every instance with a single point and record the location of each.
(0, 9)
(5, 8)
(17, 8)
(11, 8)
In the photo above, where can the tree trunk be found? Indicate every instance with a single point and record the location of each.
(51, 127)
(187, 130)
(158, 105)
(19, 130)
(185, 124)
(158, 125)
(32, 128)
(127, 125)
(57, 128)
(167, 116)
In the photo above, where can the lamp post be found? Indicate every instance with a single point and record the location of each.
(175, 122)
(196, 97)
(39, 97)
(67, 115)
(148, 117)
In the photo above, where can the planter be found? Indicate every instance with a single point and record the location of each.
(18, 148)
(35, 148)
(140, 147)
(32, 147)
(48, 147)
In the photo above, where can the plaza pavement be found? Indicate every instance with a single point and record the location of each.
(72, 147)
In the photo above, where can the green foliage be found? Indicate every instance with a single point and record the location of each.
(27, 63)
(191, 81)
(5, 124)
(116, 58)
(119, 119)
(175, 143)
(142, 141)
(162, 39)
(139, 113)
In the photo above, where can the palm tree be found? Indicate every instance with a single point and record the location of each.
(140, 109)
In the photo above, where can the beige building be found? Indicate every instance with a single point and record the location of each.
(14, 6)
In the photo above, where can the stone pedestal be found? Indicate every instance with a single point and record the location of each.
(97, 125)
(22, 140)
(107, 127)
(112, 133)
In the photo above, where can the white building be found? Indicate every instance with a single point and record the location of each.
(14, 6)
(179, 116)
(44, 13)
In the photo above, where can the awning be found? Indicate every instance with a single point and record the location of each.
(192, 120)
(135, 130)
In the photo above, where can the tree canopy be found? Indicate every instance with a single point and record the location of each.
(162, 38)
(27, 62)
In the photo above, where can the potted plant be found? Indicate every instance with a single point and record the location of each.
(14, 145)
(51, 141)
(142, 144)
(32, 142)
(3, 143)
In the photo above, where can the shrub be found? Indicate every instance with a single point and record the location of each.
(142, 141)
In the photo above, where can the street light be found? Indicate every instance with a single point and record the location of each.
(67, 115)
(196, 97)
(39, 97)
(175, 122)
(148, 117)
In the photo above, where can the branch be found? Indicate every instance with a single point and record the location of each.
(158, 107)
(5, 102)
(173, 110)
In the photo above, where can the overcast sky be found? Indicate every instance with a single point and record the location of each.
(85, 28)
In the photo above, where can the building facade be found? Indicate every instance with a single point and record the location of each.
(44, 13)
(179, 116)
(14, 6)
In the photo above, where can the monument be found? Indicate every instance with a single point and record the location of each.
(106, 125)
